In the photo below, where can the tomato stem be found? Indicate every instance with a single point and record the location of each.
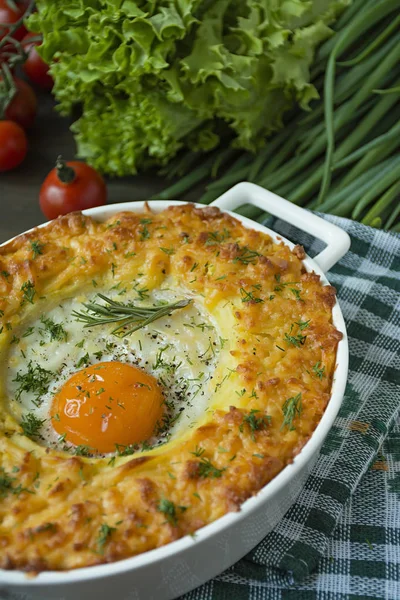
(65, 173)
(8, 89)
(12, 27)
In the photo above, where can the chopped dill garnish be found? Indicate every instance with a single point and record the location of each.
(7, 487)
(113, 224)
(291, 408)
(207, 469)
(144, 232)
(223, 341)
(36, 379)
(283, 284)
(170, 510)
(31, 425)
(123, 450)
(198, 451)
(296, 293)
(254, 422)
(37, 248)
(298, 339)
(215, 237)
(28, 292)
(55, 330)
(320, 372)
(249, 296)
(246, 256)
(105, 533)
(141, 292)
(161, 363)
(28, 332)
(83, 450)
(84, 360)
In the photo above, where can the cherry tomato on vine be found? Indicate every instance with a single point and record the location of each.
(34, 66)
(23, 107)
(72, 185)
(8, 16)
(13, 145)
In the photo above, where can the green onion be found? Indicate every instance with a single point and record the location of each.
(375, 44)
(385, 201)
(393, 134)
(385, 180)
(391, 220)
(393, 90)
(342, 157)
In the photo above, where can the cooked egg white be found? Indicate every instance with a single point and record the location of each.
(180, 351)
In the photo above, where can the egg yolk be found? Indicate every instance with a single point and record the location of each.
(107, 404)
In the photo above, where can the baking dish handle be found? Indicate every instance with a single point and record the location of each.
(337, 241)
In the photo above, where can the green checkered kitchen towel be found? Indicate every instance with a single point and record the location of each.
(341, 538)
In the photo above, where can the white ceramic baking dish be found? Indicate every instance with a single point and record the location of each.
(180, 566)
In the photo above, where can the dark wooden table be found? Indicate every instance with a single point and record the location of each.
(49, 137)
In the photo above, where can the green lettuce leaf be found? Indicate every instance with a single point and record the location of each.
(153, 77)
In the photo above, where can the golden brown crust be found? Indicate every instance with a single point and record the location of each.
(63, 512)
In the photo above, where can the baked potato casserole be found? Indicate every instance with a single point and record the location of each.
(157, 370)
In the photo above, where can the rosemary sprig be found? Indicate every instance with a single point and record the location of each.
(124, 314)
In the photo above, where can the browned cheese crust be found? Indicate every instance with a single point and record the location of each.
(59, 511)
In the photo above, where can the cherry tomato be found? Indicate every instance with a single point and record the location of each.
(71, 186)
(13, 145)
(34, 66)
(8, 16)
(23, 107)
